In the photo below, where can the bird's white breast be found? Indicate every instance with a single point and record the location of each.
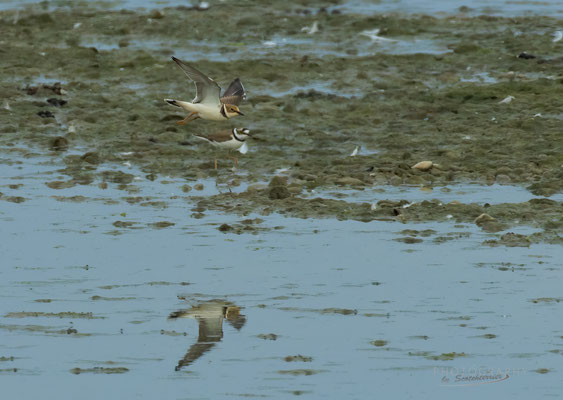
(205, 111)
(232, 144)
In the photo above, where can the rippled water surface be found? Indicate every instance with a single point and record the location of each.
(445, 7)
(365, 311)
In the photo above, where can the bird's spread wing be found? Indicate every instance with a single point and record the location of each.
(210, 329)
(234, 94)
(195, 351)
(207, 90)
(210, 332)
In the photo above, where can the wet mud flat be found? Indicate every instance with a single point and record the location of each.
(64, 90)
(306, 270)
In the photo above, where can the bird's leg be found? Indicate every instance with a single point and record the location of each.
(215, 163)
(235, 160)
(189, 118)
(217, 186)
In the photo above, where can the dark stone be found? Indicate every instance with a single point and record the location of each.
(46, 114)
(56, 102)
(526, 56)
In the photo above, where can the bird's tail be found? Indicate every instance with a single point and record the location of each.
(202, 138)
(172, 102)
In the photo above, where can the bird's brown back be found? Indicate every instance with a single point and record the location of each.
(221, 136)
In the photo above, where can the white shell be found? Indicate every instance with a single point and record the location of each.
(507, 100)
(423, 165)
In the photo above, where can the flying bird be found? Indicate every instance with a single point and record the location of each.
(208, 102)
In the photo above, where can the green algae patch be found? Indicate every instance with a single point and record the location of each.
(102, 298)
(446, 356)
(60, 184)
(341, 311)
(423, 337)
(546, 300)
(330, 310)
(542, 370)
(71, 199)
(124, 224)
(267, 336)
(375, 315)
(440, 357)
(488, 336)
(409, 240)
(510, 239)
(172, 333)
(8, 370)
(244, 226)
(298, 357)
(99, 370)
(14, 199)
(297, 372)
(117, 177)
(66, 314)
(415, 233)
(161, 224)
(47, 330)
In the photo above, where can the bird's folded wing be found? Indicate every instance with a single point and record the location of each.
(218, 137)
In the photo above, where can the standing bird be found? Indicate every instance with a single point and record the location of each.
(208, 103)
(230, 139)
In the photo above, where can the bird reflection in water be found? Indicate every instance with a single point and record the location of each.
(209, 316)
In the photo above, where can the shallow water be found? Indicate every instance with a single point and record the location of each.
(466, 193)
(329, 290)
(446, 7)
(279, 47)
